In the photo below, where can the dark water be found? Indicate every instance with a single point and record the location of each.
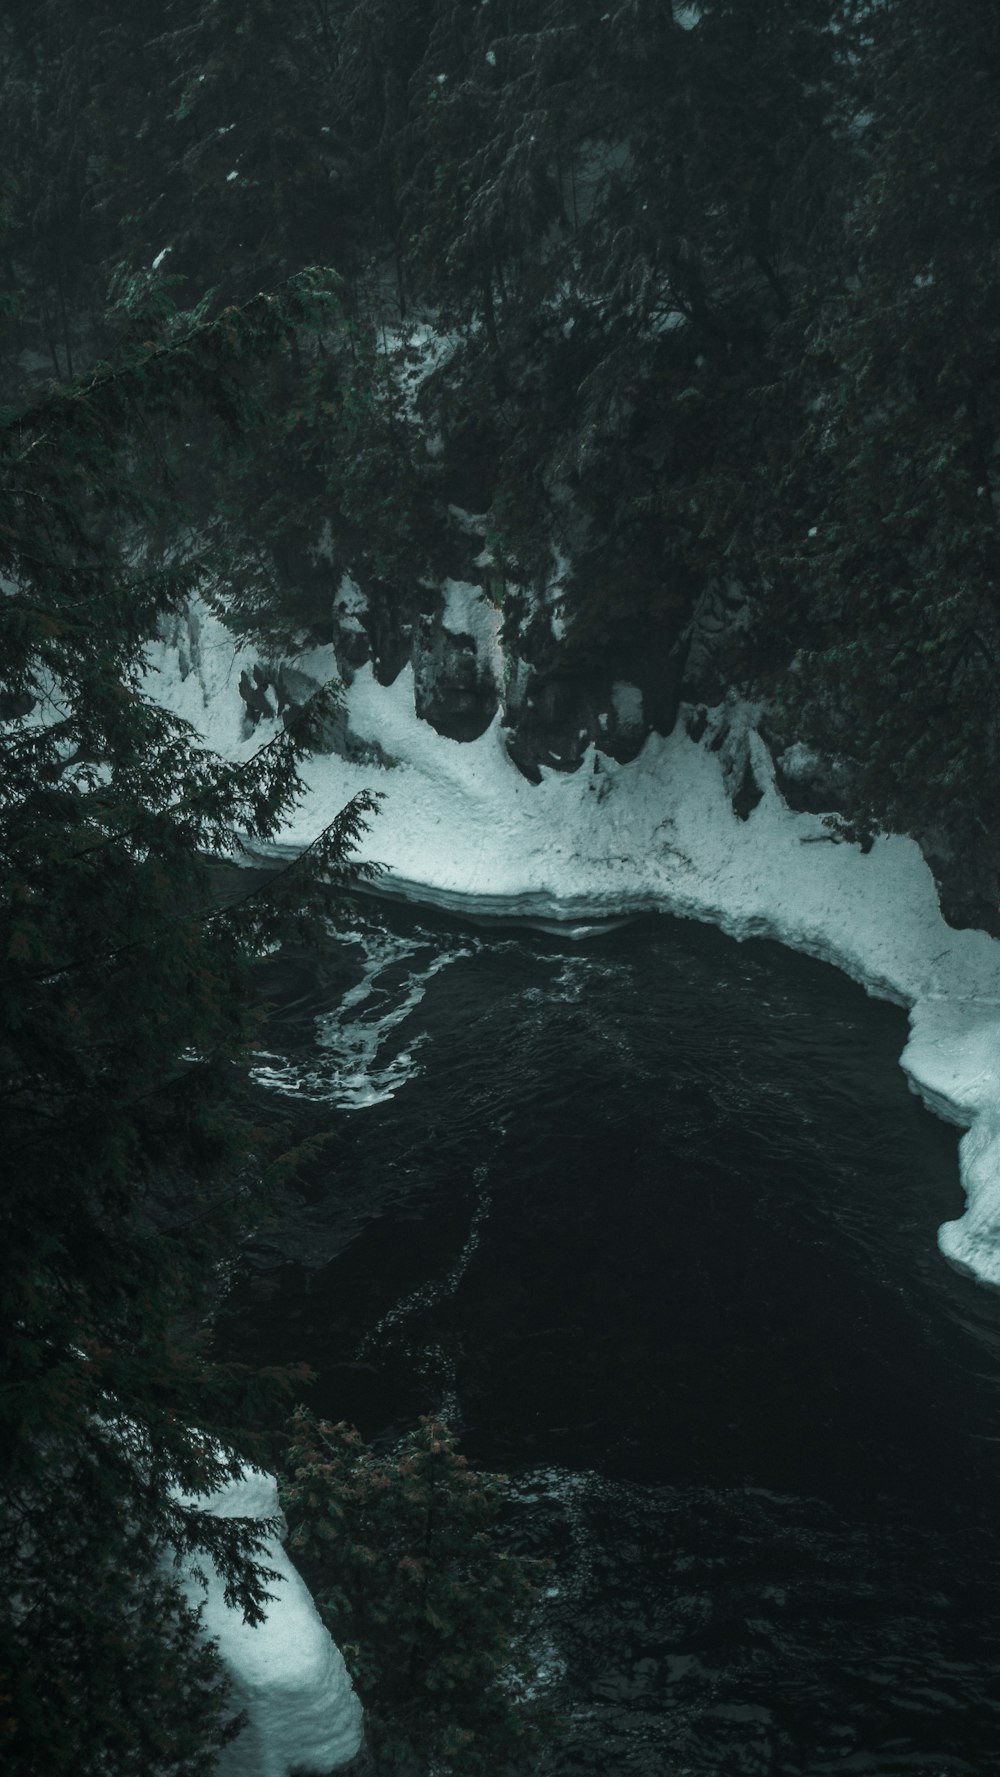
(651, 1218)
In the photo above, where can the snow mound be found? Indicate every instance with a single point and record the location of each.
(302, 1711)
(462, 829)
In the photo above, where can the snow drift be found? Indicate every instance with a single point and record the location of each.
(287, 1675)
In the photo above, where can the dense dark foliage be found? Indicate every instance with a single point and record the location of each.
(402, 1554)
(889, 582)
(126, 1016)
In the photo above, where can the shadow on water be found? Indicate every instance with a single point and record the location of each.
(652, 1218)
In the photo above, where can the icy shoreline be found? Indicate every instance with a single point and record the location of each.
(461, 829)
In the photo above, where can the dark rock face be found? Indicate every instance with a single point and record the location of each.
(454, 689)
(284, 690)
(254, 694)
(810, 782)
(558, 705)
(748, 795)
(352, 646)
(558, 698)
(390, 625)
(551, 719)
(966, 868)
(696, 722)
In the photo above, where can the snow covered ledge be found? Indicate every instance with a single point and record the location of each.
(461, 828)
(302, 1712)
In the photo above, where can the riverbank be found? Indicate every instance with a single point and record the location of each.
(460, 828)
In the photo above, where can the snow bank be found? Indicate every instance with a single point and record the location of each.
(461, 828)
(467, 611)
(303, 1714)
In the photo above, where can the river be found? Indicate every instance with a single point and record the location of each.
(649, 1216)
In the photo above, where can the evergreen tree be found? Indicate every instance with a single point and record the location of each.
(886, 581)
(245, 144)
(126, 1016)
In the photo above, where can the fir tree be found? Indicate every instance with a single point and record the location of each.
(126, 1016)
(886, 582)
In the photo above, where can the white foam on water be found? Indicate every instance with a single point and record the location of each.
(349, 1067)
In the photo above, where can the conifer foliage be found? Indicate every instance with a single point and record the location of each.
(126, 1015)
(402, 1552)
(890, 499)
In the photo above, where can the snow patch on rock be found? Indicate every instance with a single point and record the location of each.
(627, 703)
(468, 611)
(554, 594)
(350, 603)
